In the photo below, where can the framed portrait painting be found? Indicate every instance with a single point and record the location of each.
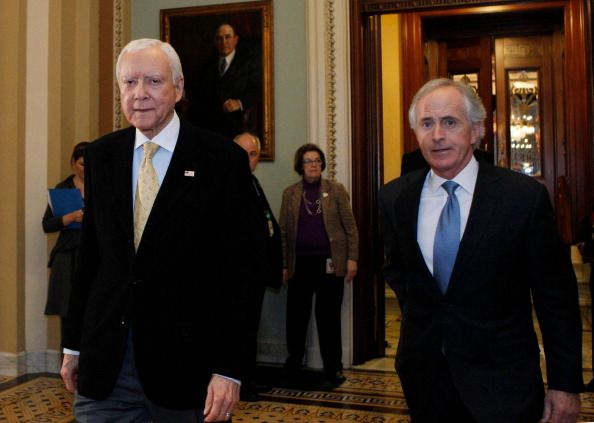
(226, 55)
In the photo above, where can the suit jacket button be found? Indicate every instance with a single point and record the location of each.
(137, 282)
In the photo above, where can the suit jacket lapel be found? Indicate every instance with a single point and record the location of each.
(181, 175)
(325, 201)
(118, 170)
(484, 204)
(407, 210)
(296, 200)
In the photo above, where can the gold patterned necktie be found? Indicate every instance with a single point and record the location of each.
(147, 187)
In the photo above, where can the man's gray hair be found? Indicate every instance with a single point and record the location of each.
(145, 43)
(473, 105)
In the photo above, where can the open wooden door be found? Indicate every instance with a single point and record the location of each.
(566, 106)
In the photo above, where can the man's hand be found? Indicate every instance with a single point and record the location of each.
(231, 105)
(69, 371)
(560, 407)
(222, 397)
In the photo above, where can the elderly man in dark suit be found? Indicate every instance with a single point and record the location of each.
(269, 262)
(228, 95)
(158, 304)
(469, 246)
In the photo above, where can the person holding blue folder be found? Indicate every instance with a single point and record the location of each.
(63, 256)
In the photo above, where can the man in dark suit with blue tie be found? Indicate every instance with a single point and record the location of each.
(469, 248)
(156, 319)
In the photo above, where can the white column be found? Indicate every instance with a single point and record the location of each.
(36, 141)
(328, 90)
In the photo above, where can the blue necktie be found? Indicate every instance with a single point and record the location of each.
(222, 66)
(447, 238)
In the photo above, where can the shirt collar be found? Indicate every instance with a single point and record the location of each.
(466, 178)
(229, 57)
(166, 139)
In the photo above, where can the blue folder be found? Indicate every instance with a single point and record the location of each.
(65, 200)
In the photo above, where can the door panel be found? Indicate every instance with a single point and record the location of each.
(525, 112)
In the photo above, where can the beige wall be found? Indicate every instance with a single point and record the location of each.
(49, 68)
(392, 95)
(12, 86)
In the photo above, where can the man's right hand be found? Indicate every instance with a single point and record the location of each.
(285, 277)
(69, 371)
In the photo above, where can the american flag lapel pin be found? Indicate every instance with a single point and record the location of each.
(189, 173)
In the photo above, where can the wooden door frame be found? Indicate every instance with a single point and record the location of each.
(367, 136)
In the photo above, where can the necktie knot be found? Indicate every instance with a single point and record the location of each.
(450, 187)
(150, 149)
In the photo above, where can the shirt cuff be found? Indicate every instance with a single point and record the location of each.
(229, 378)
(71, 352)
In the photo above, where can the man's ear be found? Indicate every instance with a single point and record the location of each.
(179, 89)
(476, 131)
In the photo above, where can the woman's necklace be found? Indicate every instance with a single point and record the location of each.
(316, 205)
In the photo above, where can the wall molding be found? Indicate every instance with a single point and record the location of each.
(383, 6)
(330, 90)
(29, 362)
(328, 123)
(328, 84)
(118, 44)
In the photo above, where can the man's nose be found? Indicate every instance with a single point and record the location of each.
(437, 132)
(140, 91)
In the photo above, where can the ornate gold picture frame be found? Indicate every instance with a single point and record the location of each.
(193, 32)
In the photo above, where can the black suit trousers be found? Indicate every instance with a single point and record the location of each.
(436, 399)
(432, 396)
(311, 278)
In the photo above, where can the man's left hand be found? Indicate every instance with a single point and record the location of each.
(231, 105)
(561, 407)
(222, 397)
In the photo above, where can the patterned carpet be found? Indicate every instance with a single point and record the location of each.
(367, 396)
(371, 393)
(35, 398)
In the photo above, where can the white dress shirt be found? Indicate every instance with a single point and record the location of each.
(434, 197)
(166, 139)
(228, 59)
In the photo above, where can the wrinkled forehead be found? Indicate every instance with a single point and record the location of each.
(441, 102)
(145, 63)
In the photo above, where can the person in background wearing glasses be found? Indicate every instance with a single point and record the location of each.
(320, 251)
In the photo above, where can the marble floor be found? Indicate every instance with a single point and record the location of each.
(371, 393)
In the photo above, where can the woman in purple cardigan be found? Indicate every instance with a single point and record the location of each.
(320, 251)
